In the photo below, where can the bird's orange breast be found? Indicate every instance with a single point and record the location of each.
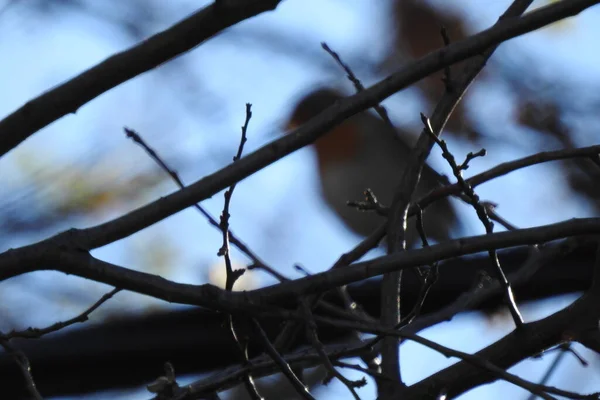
(341, 144)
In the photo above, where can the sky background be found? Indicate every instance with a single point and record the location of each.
(191, 110)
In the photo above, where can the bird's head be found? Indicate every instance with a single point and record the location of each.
(340, 143)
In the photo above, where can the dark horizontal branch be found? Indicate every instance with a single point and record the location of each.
(353, 273)
(52, 255)
(178, 39)
(131, 350)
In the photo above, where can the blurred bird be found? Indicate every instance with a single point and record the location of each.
(413, 37)
(365, 152)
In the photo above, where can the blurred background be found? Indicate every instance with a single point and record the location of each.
(538, 92)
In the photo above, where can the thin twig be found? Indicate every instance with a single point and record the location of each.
(281, 363)
(34, 333)
(481, 213)
(367, 244)
(257, 262)
(311, 333)
(369, 204)
(553, 366)
(483, 288)
(490, 209)
(264, 366)
(357, 83)
(448, 352)
(238, 325)
(431, 278)
(506, 168)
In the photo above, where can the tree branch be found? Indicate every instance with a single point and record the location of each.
(68, 97)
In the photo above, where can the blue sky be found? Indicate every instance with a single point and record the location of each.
(42, 52)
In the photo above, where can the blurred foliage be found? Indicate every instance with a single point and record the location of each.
(51, 193)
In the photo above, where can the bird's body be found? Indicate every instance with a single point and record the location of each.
(366, 152)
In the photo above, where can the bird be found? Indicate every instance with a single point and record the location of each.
(365, 152)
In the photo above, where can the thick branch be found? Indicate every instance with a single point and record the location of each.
(417, 257)
(180, 38)
(205, 188)
(47, 257)
(131, 350)
(531, 339)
